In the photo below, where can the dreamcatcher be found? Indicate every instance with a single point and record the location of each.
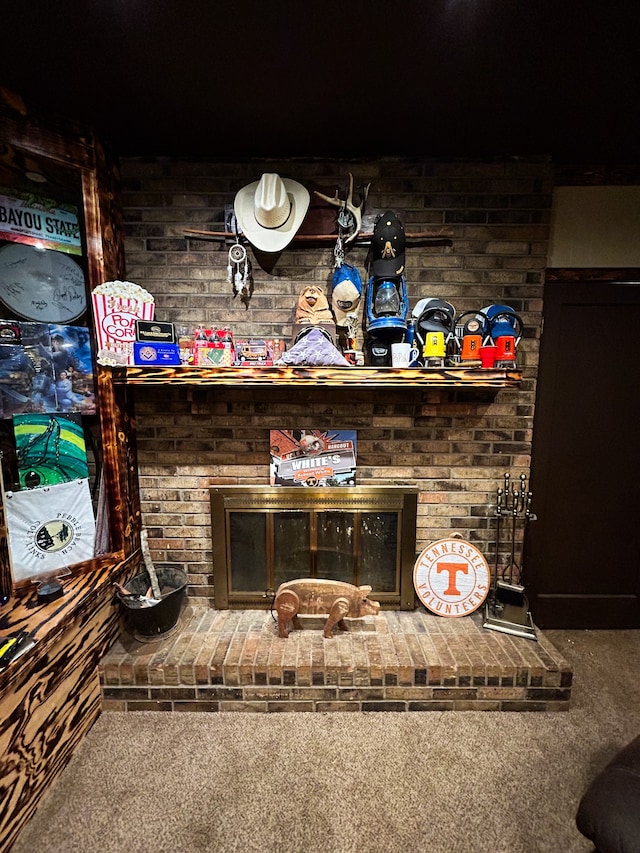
(239, 272)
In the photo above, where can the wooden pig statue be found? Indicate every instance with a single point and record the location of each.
(310, 595)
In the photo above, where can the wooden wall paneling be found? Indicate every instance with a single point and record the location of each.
(120, 464)
(52, 704)
(5, 566)
(50, 697)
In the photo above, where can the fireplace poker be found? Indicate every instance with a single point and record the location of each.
(528, 517)
(514, 504)
(514, 515)
(509, 609)
(499, 497)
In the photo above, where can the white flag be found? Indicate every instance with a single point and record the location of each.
(49, 528)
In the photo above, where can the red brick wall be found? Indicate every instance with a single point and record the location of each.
(454, 446)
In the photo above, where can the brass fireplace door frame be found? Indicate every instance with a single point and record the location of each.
(402, 500)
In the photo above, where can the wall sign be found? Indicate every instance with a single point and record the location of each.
(451, 577)
(38, 222)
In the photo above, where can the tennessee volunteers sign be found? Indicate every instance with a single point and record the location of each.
(451, 577)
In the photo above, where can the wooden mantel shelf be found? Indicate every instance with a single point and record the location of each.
(361, 377)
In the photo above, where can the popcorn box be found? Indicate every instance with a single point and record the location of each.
(116, 307)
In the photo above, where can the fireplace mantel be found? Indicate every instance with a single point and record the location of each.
(368, 377)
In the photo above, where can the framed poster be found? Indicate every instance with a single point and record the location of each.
(312, 457)
(37, 221)
(50, 448)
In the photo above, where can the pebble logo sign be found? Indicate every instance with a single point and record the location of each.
(451, 577)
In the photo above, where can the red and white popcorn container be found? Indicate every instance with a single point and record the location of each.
(116, 307)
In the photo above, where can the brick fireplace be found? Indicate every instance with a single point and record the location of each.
(451, 446)
(234, 660)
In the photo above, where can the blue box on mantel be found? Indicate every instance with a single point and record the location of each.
(152, 353)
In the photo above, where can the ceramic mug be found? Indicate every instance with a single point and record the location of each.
(403, 354)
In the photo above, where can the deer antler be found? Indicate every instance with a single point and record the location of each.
(347, 204)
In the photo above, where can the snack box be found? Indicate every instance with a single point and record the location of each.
(116, 307)
(154, 353)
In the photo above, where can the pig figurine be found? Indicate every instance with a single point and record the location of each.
(310, 595)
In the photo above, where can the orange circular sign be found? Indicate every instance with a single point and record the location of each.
(451, 577)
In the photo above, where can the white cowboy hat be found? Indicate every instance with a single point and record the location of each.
(270, 211)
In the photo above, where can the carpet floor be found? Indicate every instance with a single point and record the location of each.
(442, 782)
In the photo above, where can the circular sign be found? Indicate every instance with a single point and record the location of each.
(451, 577)
(41, 285)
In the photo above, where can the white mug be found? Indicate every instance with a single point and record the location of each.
(403, 354)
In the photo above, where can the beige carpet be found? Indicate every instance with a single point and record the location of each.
(443, 782)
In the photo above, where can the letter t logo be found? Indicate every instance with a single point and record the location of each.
(452, 569)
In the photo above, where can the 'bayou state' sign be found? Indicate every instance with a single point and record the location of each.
(41, 222)
(451, 577)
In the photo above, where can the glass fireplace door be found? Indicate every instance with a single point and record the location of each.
(263, 537)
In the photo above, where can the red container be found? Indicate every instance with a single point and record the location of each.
(488, 355)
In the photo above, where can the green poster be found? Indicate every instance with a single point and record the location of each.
(50, 449)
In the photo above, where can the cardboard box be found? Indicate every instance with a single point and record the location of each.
(253, 352)
(213, 353)
(153, 353)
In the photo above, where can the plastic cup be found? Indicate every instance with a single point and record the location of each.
(488, 355)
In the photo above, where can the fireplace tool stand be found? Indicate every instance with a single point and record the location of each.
(507, 606)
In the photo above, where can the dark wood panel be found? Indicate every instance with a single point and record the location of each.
(582, 274)
(582, 556)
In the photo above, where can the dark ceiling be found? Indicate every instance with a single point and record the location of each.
(435, 78)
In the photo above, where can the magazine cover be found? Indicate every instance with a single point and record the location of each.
(305, 457)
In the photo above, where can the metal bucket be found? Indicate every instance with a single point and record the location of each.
(155, 619)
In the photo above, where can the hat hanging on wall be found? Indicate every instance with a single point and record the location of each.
(388, 247)
(270, 211)
(346, 293)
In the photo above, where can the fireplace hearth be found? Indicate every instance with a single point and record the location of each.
(231, 658)
(234, 660)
